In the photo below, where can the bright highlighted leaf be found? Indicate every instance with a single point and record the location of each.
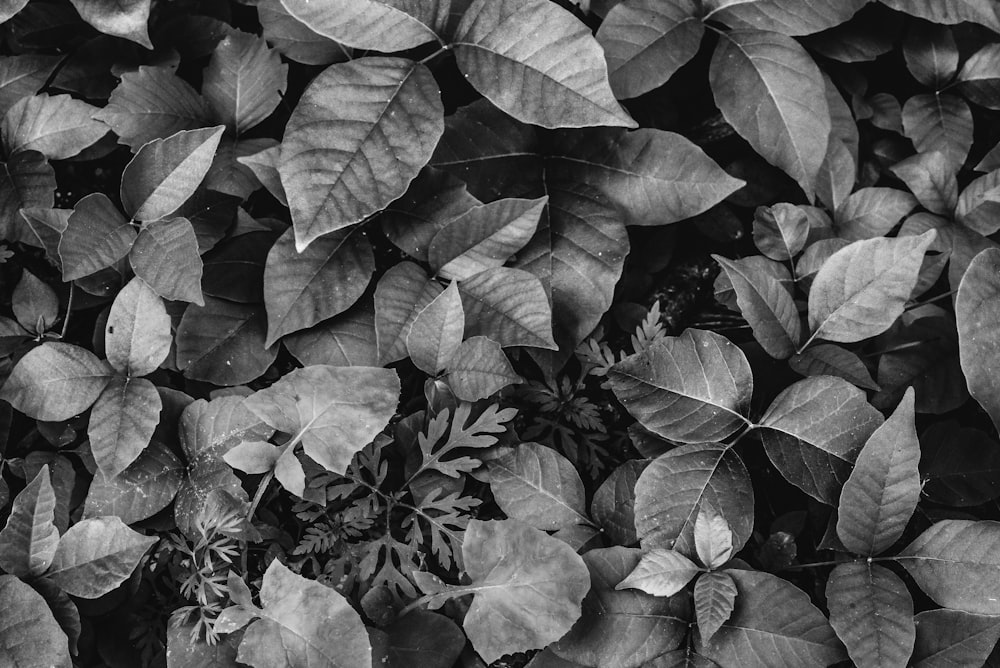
(56, 381)
(939, 122)
(479, 368)
(401, 294)
(661, 572)
(950, 637)
(222, 342)
(166, 172)
(931, 181)
(96, 236)
(56, 126)
(770, 90)
(765, 302)
(244, 80)
(872, 212)
(714, 600)
(380, 25)
(692, 388)
(978, 206)
(165, 255)
(253, 457)
(437, 331)
(977, 315)
(789, 17)
(137, 335)
(359, 135)
(29, 539)
(97, 555)
(780, 231)
(557, 79)
(509, 306)
(29, 634)
(145, 488)
(982, 12)
(122, 422)
(23, 75)
(979, 79)
(333, 411)
(538, 486)
(713, 539)
(119, 18)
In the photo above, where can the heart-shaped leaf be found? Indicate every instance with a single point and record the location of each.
(96, 555)
(55, 381)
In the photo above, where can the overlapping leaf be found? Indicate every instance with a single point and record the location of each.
(56, 381)
(538, 486)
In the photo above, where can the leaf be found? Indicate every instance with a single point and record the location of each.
(660, 572)
(303, 623)
(295, 39)
(765, 303)
(358, 136)
(773, 624)
(861, 290)
(788, 122)
(55, 381)
(183, 653)
(29, 634)
(264, 165)
(977, 317)
(957, 563)
(244, 80)
(122, 422)
(950, 637)
(23, 75)
(56, 126)
(538, 486)
(646, 41)
(976, 11)
(713, 539)
(872, 212)
(931, 54)
(672, 489)
(479, 368)
(929, 178)
(137, 335)
(423, 639)
(34, 303)
(484, 237)
(165, 256)
(812, 433)
(979, 204)
(780, 231)
(960, 465)
(96, 555)
(153, 103)
(302, 288)
(436, 333)
(787, 17)
(146, 487)
(244, 255)
(345, 340)
(827, 359)
(714, 600)
(401, 294)
(508, 305)
(939, 122)
(166, 172)
(27, 180)
(381, 25)
(223, 343)
(96, 236)
(691, 388)
(979, 79)
(47, 224)
(613, 504)
(253, 457)
(29, 539)
(883, 490)
(872, 612)
(558, 79)
(118, 18)
(333, 411)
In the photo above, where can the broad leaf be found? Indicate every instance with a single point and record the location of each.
(872, 212)
(436, 333)
(692, 388)
(56, 126)
(34, 303)
(96, 236)
(143, 489)
(23, 75)
(508, 305)
(29, 635)
(345, 340)
(614, 501)
(872, 612)
(165, 255)
(30, 538)
(244, 80)
(788, 121)
(660, 572)
(950, 637)
(55, 381)
(119, 18)
(423, 639)
(97, 555)
(960, 465)
(788, 17)
(332, 411)
(978, 316)
(813, 431)
(979, 79)
(931, 54)
(182, 652)
(982, 12)
(223, 343)
(479, 368)
(780, 231)
(979, 204)
(765, 302)
(122, 422)
(401, 294)
(957, 563)
(939, 122)
(137, 335)
(714, 600)
(27, 180)
(557, 79)
(536, 485)
(827, 359)
(929, 178)
(380, 25)
(358, 136)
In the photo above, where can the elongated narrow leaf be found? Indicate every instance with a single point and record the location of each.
(122, 423)
(509, 306)
(29, 634)
(96, 236)
(813, 431)
(137, 335)
(143, 489)
(872, 612)
(940, 122)
(558, 79)
(29, 539)
(437, 331)
(56, 126)
(692, 388)
(646, 41)
(479, 368)
(770, 90)
(982, 12)
(223, 342)
(401, 294)
(97, 555)
(244, 80)
(535, 484)
(953, 638)
(788, 17)
(55, 381)
(979, 79)
(957, 563)
(119, 18)
(165, 255)
(766, 303)
(861, 290)
(977, 314)
(345, 340)
(358, 136)
(872, 212)
(381, 25)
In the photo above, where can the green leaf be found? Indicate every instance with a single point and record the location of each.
(479, 368)
(34, 303)
(333, 411)
(812, 433)
(380, 25)
(244, 80)
(538, 486)
(484, 237)
(773, 624)
(884, 488)
(672, 489)
(303, 623)
(950, 637)
(223, 342)
(166, 172)
(646, 41)
(29, 539)
(508, 305)
(30, 637)
(961, 465)
(714, 600)
(165, 255)
(957, 563)
(325, 279)
(770, 90)
(929, 178)
(939, 122)
(118, 18)
(56, 126)
(872, 212)
(979, 79)
(765, 302)
(872, 612)
(713, 539)
(979, 204)
(345, 340)
(827, 359)
(861, 290)
(153, 103)
(422, 639)
(401, 294)
(436, 332)
(982, 12)
(96, 236)
(143, 489)
(931, 54)
(358, 136)
(977, 317)
(55, 381)
(137, 334)
(556, 79)
(660, 572)
(780, 231)
(788, 17)
(692, 388)
(97, 555)
(23, 75)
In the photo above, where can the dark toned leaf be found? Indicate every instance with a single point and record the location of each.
(34, 303)
(950, 637)
(245, 256)
(536, 485)
(613, 504)
(766, 303)
(96, 555)
(29, 634)
(929, 178)
(118, 18)
(508, 305)
(345, 340)
(872, 212)
(55, 381)
(143, 489)
(931, 54)
(182, 652)
(401, 294)
(223, 343)
(165, 256)
(264, 165)
(785, 16)
(56, 126)
(979, 79)
(977, 316)
(780, 231)
(381, 25)
(827, 359)
(27, 180)
(29, 539)
(96, 236)
(421, 639)
(295, 39)
(436, 332)
(479, 368)
(939, 122)
(244, 80)
(714, 600)
(961, 465)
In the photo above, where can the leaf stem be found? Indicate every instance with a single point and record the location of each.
(69, 308)
(444, 48)
(261, 488)
(931, 300)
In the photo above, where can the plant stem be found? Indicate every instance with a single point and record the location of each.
(69, 308)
